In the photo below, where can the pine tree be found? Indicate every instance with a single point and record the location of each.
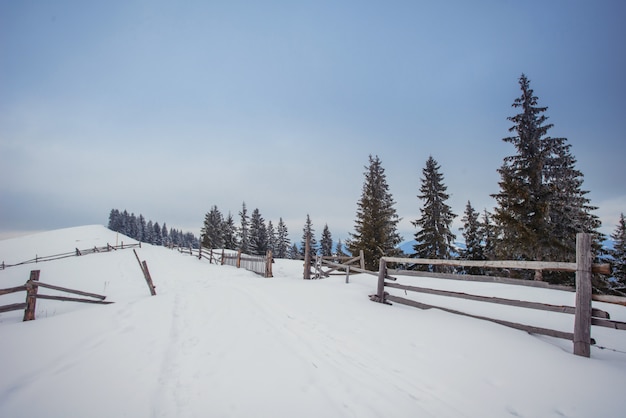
(149, 232)
(541, 205)
(326, 242)
(164, 236)
(114, 220)
(618, 254)
(157, 239)
(244, 241)
(434, 238)
(282, 240)
(489, 236)
(473, 239)
(308, 230)
(376, 218)
(271, 238)
(294, 253)
(230, 233)
(142, 229)
(339, 249)
(133, 227)
(212, 231)
(258, 234)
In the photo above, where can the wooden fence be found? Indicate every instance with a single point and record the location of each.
(75, 253)
(584, 314)
(31, 288)
(257, 263)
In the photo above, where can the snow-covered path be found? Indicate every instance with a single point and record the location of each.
(218, 341)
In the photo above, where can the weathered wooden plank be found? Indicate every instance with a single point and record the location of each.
(70, 299)
(21, 288)
(617, 300)
(13, 307)
(582, 317)
(149, 278)
(489, 299)
(483, 279)
(64, 289)
(608, 323)
(528, 328)
(513, 264)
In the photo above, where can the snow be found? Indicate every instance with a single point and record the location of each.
(218, 341)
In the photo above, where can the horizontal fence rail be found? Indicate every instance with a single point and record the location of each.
(76, 253)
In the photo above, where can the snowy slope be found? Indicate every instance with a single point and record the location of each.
(221, 342)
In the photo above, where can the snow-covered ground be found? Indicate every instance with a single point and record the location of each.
(218, 341)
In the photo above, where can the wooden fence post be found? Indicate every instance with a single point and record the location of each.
(307, 258)
(239, 258)
(31, 296)
(268, 264)
(222, 261)
(148, 278)
(382, 272)
(362, 255)
(348, 274)
(200, 253)
(582, 316)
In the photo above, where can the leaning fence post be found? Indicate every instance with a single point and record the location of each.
(148, 278)
(582, 315)
(31, 296)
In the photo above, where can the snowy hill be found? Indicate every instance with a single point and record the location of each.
(217, 341)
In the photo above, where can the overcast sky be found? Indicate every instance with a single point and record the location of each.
(166, 108)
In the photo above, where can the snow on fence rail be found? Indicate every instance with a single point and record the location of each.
(585, 314)
(74, 253)
(31, 288)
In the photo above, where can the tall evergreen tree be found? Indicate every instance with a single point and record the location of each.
(244, 240)
(212, 230)
(339, 249)
(541, 205)
(326, 242)
(164, 236)
(433, 236)
(282, 240)
(142, 229)
(157, 239)
(489, 236)
(149, 232)
(294, 253)
(258, 234)
(308, 230)
(271, 238)
(473, 238)
(230, 233)
(618, 254)
(376, 218)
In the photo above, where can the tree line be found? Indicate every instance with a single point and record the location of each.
(540, 208)
(251, 234)
(137, 228)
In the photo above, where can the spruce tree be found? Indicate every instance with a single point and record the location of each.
(308, 230)
(271, 238)
(244, 241)
(148, 232)
(258, 234)
(339, 249)
(230, 233)
(282, 240)
(433, 236)
(212, 230)
(541, 205)
(326, 242)
(618, 254)
(472, 233)
(157, 239)
(376, 218)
